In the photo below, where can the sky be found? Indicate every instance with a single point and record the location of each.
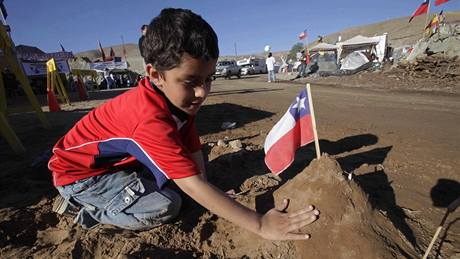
(249, 25)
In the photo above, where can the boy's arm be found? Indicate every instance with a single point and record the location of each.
(198, 158)
(274, 225)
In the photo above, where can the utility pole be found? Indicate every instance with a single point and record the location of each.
(123, 44)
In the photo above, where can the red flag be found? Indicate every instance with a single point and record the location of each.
(293, 130)
(303, 35)
(112, 53)
(423, 8)
(307, 57)
(439, 2)
(102, 51)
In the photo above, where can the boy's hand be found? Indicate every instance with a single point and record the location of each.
(276, 224)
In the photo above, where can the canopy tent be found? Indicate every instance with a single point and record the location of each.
(108, 66)
(376, 44)
(31, 53)
(359, 40)
(323, 46)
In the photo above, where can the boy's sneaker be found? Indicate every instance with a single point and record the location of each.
(63, 207)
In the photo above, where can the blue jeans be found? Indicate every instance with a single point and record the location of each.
(126, 199)
(271, 75)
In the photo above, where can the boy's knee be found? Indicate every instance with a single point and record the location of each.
(168, 211)
(174, 205)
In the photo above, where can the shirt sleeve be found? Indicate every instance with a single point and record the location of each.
(161, 149)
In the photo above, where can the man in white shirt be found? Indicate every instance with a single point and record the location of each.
(270, 61)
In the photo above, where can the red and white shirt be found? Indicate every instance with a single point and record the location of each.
(137, 126)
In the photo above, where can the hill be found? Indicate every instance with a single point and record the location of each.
(400, 33)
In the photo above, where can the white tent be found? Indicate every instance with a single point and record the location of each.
(359, 40)
(323, 46)
(363, 43)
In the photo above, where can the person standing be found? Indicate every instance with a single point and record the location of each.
(141, 39)
(270, 61)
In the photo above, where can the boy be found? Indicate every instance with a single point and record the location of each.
(93, 164)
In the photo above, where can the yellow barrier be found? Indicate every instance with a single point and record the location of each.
(54, 82)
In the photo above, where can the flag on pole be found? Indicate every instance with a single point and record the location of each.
(102, 50)
(423, 8)
(434, 22)
(293, 130)
(440, 2)
(112, 53)
(62, 47)
(303, 35)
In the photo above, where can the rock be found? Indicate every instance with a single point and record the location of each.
(221, 143)
(236, 144)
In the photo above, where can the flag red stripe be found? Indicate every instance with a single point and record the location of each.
(423, 8)
(439, 2)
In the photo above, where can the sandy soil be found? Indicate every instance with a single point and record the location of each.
(402, 148)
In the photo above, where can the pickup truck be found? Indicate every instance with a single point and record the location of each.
(227, 69)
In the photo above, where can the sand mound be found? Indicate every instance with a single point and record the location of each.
(348, 227)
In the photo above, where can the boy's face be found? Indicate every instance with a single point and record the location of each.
(186, 85)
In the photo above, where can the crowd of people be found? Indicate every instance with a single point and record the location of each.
(112, 81)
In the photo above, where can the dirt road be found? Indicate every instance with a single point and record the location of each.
(402, 147)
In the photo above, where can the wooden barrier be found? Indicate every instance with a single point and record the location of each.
(9, 56)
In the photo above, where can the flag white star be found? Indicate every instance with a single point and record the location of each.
(299, 105)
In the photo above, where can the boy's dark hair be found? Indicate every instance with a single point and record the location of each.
(269, 54)
(174, 32)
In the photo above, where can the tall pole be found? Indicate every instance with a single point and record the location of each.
(236, 53)
(307, 54)
(2, 17)
(427, 16)
(123, 44)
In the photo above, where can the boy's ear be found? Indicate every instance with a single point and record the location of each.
(154, 75)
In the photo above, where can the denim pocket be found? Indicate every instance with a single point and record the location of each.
(126, 197)
(83, 184)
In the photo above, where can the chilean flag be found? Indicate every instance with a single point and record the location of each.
(295, 129)
(303, 35)
(439, 2)
(423, 8)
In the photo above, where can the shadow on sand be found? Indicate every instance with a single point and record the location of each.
(210, 117)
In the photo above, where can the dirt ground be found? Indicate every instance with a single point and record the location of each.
(401, 146)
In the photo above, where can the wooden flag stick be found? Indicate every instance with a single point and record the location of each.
(312, 113)
(450, 209)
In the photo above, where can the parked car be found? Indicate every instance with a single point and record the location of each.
(250, 66)
(227, 69)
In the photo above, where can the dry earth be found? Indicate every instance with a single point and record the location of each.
(401, 146)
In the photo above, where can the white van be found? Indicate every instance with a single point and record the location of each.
(250, 66)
